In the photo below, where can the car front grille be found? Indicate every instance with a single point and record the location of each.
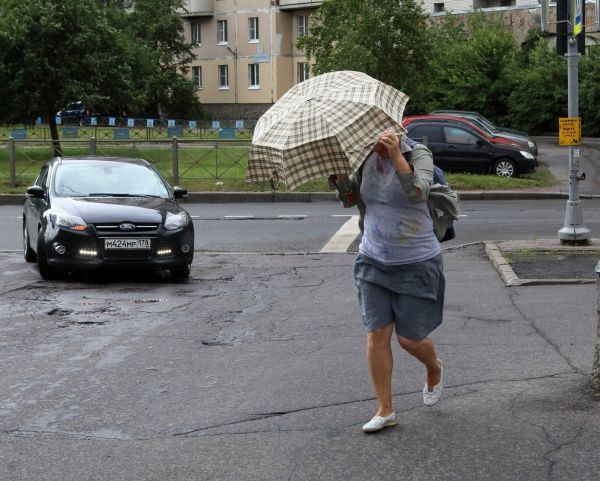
(113, 229)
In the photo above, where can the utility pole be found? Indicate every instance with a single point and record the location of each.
(570, 27)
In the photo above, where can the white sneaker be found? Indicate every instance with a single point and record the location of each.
(379, 422)
(432, 397)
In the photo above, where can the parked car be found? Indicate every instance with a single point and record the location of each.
(455, 120)
(487, 125)
(75, 112)
(94, 212)
(456, 147)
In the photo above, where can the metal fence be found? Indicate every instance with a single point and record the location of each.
(135, 129)
(177, 159)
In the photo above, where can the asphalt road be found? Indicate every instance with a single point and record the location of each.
(308, 227)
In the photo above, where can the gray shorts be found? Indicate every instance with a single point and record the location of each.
(411, 296)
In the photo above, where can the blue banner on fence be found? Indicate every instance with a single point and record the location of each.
(170, 123)
(175, 131)
(18, 133)
(239, 124)
(58, 120)
(227, 134)
(93, 121)
(112, 121)
(216, 124)
(121, 133)
(130, 122)
(149, 122)
(192, 124)
(70, 132)
(38, 121)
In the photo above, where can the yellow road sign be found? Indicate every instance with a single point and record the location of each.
(569, 131)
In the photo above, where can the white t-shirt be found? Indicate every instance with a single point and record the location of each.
(396, 229)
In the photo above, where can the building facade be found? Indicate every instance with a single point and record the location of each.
(245, 54)
(245, 50)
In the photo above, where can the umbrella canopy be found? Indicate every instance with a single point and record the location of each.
(325, 125)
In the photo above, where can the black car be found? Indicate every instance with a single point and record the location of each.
(72, 113)
(94, 212)
(460, 149)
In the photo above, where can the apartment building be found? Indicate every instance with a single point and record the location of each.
(245, 54)
(245, 50)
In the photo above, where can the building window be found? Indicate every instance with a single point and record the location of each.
(197, 74)
(222, 31)
(253, 29)
(223, 76)
(253, 76)
(303, 70)
(302, 25)
(438, 7)
(196, 36)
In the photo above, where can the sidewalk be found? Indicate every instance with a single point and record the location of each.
(229, 382)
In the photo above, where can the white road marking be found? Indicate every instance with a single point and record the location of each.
(343, 238)
(292, 216)
(463, 215)
(239, 217)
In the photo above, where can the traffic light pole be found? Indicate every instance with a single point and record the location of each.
(573, 230)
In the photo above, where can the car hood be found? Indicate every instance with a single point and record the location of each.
(117, 209)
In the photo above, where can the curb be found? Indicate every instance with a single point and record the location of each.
(266, 197)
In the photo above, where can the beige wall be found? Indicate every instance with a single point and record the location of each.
(277, 61)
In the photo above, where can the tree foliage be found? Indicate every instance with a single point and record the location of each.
(386, 39)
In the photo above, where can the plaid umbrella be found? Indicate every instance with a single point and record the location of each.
(325, 125)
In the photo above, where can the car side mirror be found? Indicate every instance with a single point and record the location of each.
(36, 191)
(180, 192)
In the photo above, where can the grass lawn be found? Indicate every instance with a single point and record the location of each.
(221, 167)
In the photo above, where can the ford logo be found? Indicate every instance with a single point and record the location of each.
(127, 226)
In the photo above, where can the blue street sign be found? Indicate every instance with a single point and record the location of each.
(121, 133)
(70, 132)
(175, 131)
(18, 133)
(227, 133)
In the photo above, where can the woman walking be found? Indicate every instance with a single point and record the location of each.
(398, 271)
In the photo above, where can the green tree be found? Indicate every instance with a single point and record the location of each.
(386, 39)
(162, 58)
(474, 66)
(540, 94)
(55, 53)
(589, 91)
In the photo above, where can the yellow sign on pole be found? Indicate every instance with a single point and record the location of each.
(569, 131)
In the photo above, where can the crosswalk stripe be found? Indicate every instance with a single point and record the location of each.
(343, 238)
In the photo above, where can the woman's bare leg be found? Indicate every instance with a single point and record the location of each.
(379, 357)
(424, 351)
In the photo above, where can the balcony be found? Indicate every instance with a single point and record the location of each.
(299, 4)
(199, 8)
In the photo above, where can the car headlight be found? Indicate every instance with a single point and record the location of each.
(73, 222)
(176, 221)
(527, 155)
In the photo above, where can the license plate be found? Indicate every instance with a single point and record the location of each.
(129, 244)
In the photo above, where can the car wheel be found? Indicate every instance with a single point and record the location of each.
(180, 273)
(505, 168)
(28, 252)
(42, 259)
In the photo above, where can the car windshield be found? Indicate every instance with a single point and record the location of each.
(107, 178)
